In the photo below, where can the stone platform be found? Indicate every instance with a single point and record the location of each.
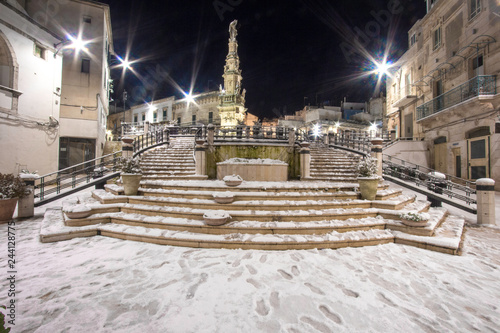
(264, 215)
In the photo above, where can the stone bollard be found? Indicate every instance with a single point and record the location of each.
(331, 138)
(305, 161)
(485, 193)
(166, 136)
(200, 153)
(210, 136)
(291, 137)
(146, 127)
(26, 205)
(376, 152)
(127, 147)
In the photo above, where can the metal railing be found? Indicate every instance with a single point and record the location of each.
(480, 85)
(414, 175)
(57, 182)
(251, 132)
(451, 187)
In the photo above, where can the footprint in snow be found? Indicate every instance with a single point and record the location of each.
(330, 314)
(251, 269)
(261, 308)
(314, 289)
(275, 300)
(263, 258)
(317, 325)
(285, 274)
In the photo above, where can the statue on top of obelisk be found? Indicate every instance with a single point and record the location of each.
(232, 30)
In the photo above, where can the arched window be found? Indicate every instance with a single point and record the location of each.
(7, 63)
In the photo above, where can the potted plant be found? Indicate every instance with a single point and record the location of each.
(131, 174)
(223, 197)
(367, 178)
(11, 189)
(414, 219)
(232, 180)
(215, 218)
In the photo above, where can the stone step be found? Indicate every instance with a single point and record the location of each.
(260, 203)
(247, 196)
(253, 186)
(446, 235)
(179, 177)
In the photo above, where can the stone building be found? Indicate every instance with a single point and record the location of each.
(196, 110)
(56, 91)
(444, 89)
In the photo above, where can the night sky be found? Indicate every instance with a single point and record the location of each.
(288, 50)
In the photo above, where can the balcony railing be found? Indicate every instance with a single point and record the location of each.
(480, 85)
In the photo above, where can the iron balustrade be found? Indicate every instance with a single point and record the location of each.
(480, 85)
(69, 178)
(94, 172)
(451, 186)
(251, 132)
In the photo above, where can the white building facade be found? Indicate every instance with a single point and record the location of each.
(30, 89)
(445, 89)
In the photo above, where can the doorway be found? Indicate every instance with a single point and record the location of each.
(74, 151)
(478, 159)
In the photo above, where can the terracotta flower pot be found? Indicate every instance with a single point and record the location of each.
(131, 183)
(7, 208)
(412, 223)
(368, 187)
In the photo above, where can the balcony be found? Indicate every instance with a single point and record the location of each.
(479, 86)
(404, 96)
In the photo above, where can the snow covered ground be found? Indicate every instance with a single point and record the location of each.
(101, 284)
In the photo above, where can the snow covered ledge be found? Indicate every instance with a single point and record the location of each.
(254, 169)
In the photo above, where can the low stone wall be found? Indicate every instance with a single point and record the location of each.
(254, 171)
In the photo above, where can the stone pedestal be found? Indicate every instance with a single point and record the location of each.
(485, 192)
(26, 205)
(166, 135)
(201, 158)
(305, 161)
(376, 152)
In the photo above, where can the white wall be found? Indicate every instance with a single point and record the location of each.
(23, 142)
(415, 152)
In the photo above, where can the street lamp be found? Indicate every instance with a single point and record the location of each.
(71, 43)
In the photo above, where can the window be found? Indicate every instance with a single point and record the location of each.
(475, 8)
(143, 117)
(165, 114)
(135, 118)
(210, 117)
(179, 121)
(39, 51)
(193, 119)
(87, 19)
(413, 39)
(85, 65)
(436, 38)
(155, 117)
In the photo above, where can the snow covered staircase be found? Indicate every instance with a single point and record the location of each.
(329, 164)
(264, 215)
(173, 162)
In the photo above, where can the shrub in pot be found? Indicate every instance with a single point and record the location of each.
(12, 188)
(131, 174)
(367, 178)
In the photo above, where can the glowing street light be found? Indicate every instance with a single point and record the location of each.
(317, 130)
(71, 43)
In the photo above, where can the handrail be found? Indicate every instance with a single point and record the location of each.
(393, 167)
(77, 177)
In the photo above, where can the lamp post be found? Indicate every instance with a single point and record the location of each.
(125, 96)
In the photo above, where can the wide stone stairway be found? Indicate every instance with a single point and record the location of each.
(170, 208)
(173, 162)
(328, 164)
